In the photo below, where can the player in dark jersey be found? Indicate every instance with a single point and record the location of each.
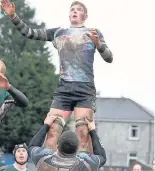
(21, 158)
(67, 157)
(9, 95)
(76, 46)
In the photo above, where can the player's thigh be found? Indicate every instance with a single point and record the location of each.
(61, 113)
(81, 113)
(85, 98)
(62, 103)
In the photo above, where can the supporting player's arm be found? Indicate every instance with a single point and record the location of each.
(98, 148)
(36, 151)
(20, 99)
(38, 139)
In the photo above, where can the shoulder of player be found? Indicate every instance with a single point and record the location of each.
(90, 158)
(83, 155)
(2, 91)
(7, 93)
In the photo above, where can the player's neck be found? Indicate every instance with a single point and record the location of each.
(18, 166)
(77, 25)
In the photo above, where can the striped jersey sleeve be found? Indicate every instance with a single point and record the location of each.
(36, 34)
(105, 52)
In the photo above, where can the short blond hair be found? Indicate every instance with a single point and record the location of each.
(81, 4)
(2, 67)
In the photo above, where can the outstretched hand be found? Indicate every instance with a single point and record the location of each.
(4, 83)
(8, 7)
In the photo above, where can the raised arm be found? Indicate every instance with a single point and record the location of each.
(19, 98)
(36, 151)
(15, 97)
(36, 34)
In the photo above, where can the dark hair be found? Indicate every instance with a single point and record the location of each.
(81, 4)
(68, 143)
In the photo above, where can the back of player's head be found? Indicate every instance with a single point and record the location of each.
(68, 143)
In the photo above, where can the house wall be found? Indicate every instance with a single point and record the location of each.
(115, 137)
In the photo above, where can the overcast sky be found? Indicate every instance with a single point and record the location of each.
(128, 27)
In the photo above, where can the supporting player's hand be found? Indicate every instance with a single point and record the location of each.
(8, 7)
(4, 83)
(91, 124)
(93, 35)
(49, 119)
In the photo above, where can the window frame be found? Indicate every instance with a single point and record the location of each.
(131, 128)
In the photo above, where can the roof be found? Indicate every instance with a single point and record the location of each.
(121, 109)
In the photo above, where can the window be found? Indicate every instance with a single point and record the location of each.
(134, 132)
(131, 156)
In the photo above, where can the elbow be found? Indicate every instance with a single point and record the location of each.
(103, 162)
(29, 150)
(104, 158)
(30, 147)
(107, 56)
(109, 60)
(23, 103)
(26, 103)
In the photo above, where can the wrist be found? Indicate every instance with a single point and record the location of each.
(99, 45)
(91, 129)
(8, 87)
(101, 48)
(46, 125)
(13, 15)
